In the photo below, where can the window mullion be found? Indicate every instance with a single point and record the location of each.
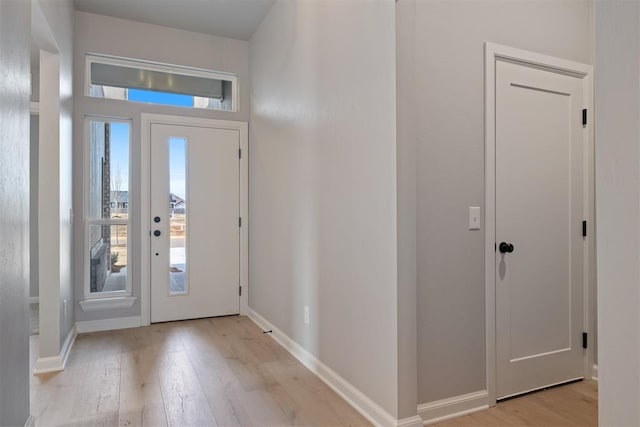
(108, 221)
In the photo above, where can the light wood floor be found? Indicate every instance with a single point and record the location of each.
(573, 404)
(199, 373)
(225, 372)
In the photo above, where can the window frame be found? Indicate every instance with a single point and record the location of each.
(126, 294)
(91, 58)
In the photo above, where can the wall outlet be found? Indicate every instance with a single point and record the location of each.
(306, 314)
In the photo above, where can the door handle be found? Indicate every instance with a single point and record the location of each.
(157, 233)
(505, 247)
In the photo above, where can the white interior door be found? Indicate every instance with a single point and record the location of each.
(195, 211)
(539, 211)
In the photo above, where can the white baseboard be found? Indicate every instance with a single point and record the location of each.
(358, 400)
(34, 300)
(68, 343)
(594, 373)
(57, 363)
(452, 407)
(108, 324)
(111, 303)
(414, 421)
(48, 364)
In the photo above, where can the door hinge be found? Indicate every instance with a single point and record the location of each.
(584, 340)
(584, 228)
(239, 153)
(240, 290)
(584, 117)
(240, 222)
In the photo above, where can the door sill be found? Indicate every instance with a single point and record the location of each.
(194, 318)
(535, 390)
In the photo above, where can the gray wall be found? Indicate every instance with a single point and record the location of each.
(618, 209)
(124, 38)
(323, 185)
(35, 80)
(14, 227)
(449, 133)
(34, 283)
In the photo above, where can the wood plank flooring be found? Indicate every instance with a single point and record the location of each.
(208, 372)
(574, 404)
(225, 372)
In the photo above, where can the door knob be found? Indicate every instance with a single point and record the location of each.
(157, 233)
(505, 247)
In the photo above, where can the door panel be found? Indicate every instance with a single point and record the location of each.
(539, 209)
(195, 198)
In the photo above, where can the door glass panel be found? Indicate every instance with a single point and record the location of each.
(178, 216)
(108, 255)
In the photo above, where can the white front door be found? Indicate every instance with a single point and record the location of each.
(539, 212)
(195, 230)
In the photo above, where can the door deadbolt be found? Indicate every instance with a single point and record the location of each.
(505, 248)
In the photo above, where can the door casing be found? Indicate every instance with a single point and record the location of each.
(145, 229)
(493, 53)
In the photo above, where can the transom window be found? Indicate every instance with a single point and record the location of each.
(164, 84)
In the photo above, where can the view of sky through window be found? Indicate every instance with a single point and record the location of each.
(120, 140)
(164, 98)
(119, 152)
(177, 178)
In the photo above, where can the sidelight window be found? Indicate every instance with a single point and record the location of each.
(107, 208)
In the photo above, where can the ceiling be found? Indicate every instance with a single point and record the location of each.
(236, 19)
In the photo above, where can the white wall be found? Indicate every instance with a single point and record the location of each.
(60, 16)
(323, 185)
(406, 164)
(448, 91)
(618, 210)
(55, 175)
(119, 37)
(14, 226)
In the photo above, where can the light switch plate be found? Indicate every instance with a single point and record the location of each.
(474, 218)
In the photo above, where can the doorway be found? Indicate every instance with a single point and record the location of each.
(197, 218)
(538, 210)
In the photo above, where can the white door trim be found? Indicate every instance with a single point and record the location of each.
(147, 120)
(494, 52)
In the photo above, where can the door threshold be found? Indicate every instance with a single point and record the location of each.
(536, 390)
(196, 318)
